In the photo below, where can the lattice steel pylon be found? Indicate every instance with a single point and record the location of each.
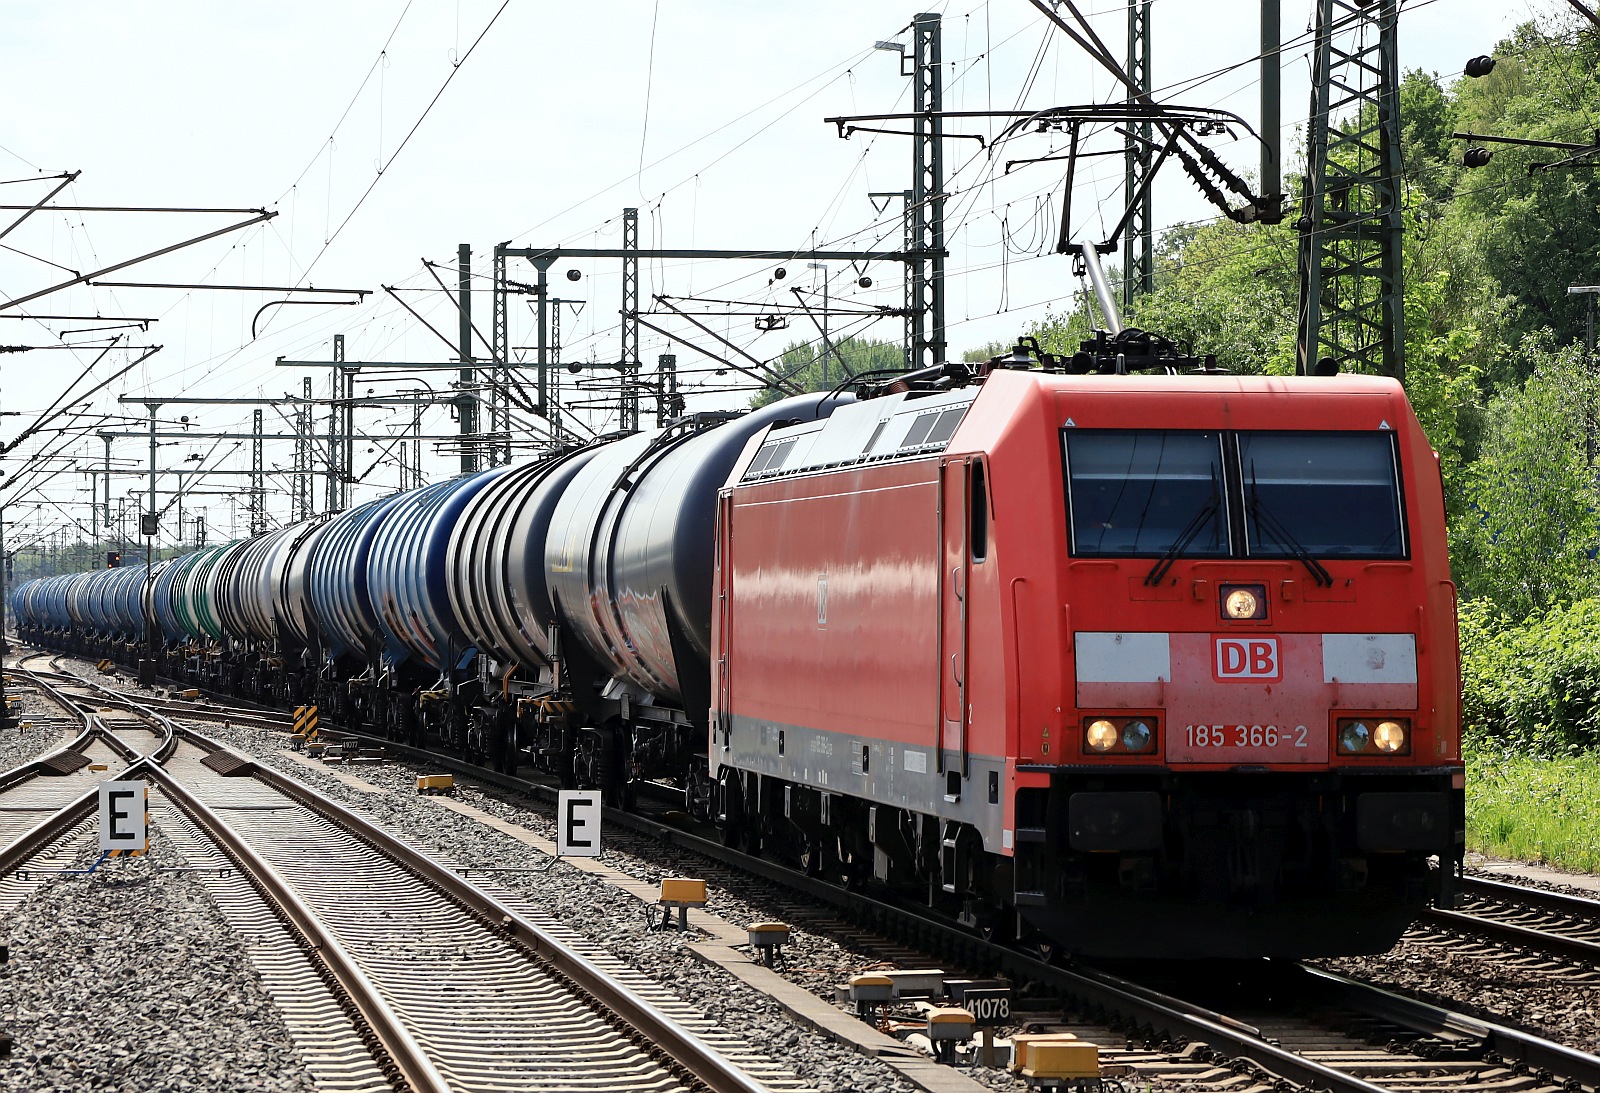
(628, 366)
(258, 493)
(1351, 293)
(1138, 248)
(500, 388)
(926, 208)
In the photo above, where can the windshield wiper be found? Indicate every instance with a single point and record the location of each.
(1190, 531)
(1275, 528)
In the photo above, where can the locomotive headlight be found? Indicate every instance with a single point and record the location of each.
(1101, 735)
(1354, 736)
(1241, 602)
(1136, 736)
(1389, 737)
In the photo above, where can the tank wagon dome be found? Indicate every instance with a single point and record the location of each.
(406, 576)
(95, 586)
(340, 598)
(632, 540)
(236, 580)
(78, 588)
(496, 578)
(103, 601)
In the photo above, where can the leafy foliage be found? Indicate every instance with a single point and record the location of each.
(1534, 687)
(1528, 538)
(814, 369)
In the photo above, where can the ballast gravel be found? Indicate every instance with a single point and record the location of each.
(39, 730)
(127, 979)
(599, 912)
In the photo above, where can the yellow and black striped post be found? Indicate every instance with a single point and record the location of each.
(305, 724)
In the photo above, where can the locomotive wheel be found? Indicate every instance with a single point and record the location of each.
(1044, 949)
(697, 791)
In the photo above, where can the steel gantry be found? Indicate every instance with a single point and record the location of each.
(1351, 292)
(628, 365)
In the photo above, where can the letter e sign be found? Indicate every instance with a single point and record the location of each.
(124, 817)
(578, 823)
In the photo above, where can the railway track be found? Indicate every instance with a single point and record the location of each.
(1551, 924)
(1342, 1035)
(43, 800)
(1339, 1034)
(427, 981)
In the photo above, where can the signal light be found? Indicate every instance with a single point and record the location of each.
(574, 275)
(113, 559)
(1477, 157)
(1480, 65)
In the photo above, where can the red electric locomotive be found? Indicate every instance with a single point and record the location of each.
(1157, 666)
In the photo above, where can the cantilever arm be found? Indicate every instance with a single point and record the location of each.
(276, 303)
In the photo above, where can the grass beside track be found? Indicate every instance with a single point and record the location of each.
(1540, 810)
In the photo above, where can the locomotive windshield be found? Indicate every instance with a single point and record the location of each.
(1140, 492)
(1329, 493)
(1172, 493)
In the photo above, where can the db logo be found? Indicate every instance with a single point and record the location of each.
(1247, 659)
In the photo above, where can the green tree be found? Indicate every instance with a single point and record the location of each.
(803, 363)
(987, 352)
(1527, 541)
(1540, 228)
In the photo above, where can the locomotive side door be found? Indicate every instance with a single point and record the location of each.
(955, 498)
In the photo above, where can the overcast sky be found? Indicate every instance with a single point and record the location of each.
(706, 115)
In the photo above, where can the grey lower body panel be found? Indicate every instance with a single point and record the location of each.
(912, 777)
